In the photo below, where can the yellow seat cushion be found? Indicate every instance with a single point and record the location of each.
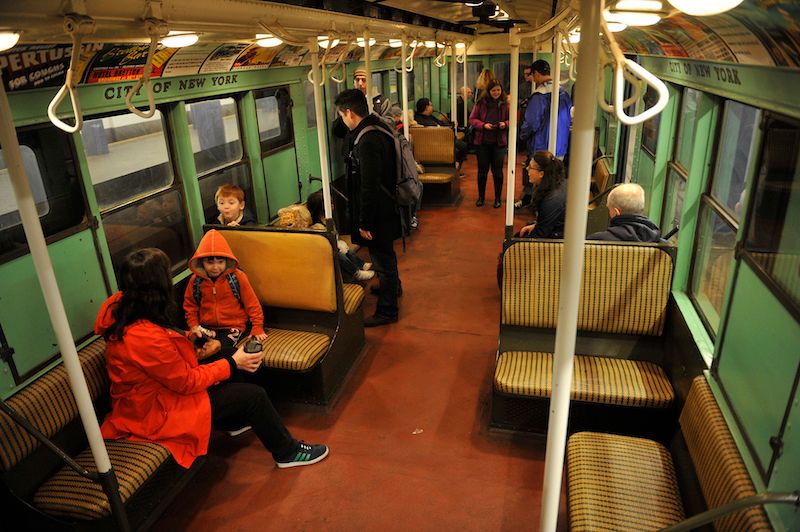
(436, 177)
(294, 350)
(435, 145)
(49, 405)
(353, 296)
(620, 483)
(719, 467)
(625, 288)
(611, 381)
(69, 495)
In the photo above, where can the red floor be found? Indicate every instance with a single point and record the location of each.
(409, 438)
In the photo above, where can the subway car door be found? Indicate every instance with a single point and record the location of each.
(278, 151)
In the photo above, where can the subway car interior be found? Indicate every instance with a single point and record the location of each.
(545, 367)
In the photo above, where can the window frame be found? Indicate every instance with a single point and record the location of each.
(285, 140)
(237, 97)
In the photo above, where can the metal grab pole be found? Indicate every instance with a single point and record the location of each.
(574, 237)
(405, 89)
(321, 125)
(511, 172)
(52, 297)
(368, 67)
(453, 80)
(466, 84)
(555, 70)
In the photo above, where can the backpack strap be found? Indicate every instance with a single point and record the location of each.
(397, 153)
(232, 281)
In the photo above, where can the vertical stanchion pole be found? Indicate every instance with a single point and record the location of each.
(55, 305)
(466, 84)
(453, 81)
(368, 68)
(574, 237)
(313, 47)
(404, 55)
(555, 71)
(513, 40)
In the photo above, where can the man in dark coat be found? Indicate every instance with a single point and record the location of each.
(627, 223)
(372, 175)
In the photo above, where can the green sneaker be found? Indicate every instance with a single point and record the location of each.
(304, 455)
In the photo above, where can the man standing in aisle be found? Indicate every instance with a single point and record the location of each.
(371, 168)
(536, 124)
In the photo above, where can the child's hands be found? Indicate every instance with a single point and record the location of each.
(210, 347)
(261, 337)
(248, 362)
(527, 229)
(234, 223)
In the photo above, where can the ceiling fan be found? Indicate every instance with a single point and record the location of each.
(486, 12)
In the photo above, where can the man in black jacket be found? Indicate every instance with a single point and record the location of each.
(627, 223)
(372, 170)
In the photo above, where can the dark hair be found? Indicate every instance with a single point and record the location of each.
(316, 206)
(422, 103)
(553, 176)
(487, 93)
(146, 285)
(354, 100)
(541, 66)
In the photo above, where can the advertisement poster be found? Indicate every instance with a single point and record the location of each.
(222, 59)
(289, 56)
(255, 57)
(187, 61)
(125, 63)
(37, 66)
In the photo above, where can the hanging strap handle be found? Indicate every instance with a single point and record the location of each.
(156, 29)
(76, 26)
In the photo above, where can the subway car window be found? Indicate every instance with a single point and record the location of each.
(236, 175)
(688, 123)
(426, 79)
(214, 130)
(713, 256)
(127, 157)
(650, 127)
(50, 167)
(733, 158)
(273, 113)
(473, 70)
(773, 240)
(676, 189)
(394, 87)
(311, 108)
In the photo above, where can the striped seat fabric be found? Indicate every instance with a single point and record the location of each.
(49, 405)
(625, 287)
(435, 145)
(294, 350)
(436, 177)
(353, 296)
(620, 483)
(69, 495)
(717, 462)
(611, 381)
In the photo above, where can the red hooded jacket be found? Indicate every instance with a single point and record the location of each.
(158, 390)
(218, 307)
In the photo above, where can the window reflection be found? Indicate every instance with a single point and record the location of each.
(676, 190)
(685, 143)
(735, 148)
(214, 130)
(714, 252)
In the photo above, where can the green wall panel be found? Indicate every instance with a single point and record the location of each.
(757, 363)
(280, 170)
(786, 475)
(23, 313)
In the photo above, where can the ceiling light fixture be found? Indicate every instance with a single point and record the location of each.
(267, 40)
(8, 39)
(179, 39)
(360, 42)
(323, 41)
(474, 4)
(395, 43)
(707, 7)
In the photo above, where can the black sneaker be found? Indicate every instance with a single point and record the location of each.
(377, 320)
(306, 454)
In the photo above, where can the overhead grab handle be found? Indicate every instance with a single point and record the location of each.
(440, 59)
(651, 80)
(325, 74)
(410, 59)
(76, 26)
(340, 63)
(156, 29)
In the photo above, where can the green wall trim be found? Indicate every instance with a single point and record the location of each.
(760, 86)
(705, 345)
(187, 171)
(252, 150)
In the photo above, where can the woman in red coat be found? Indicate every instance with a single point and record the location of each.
(160, 393)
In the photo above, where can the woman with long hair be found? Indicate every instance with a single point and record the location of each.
(160, 393)
(549, 201)
(489, 118)
(482, 83)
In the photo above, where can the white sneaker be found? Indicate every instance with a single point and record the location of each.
(362, 275)
(239, 431)
(367, 266)
(518, 204)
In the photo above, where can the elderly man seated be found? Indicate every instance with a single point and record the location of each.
(627, 223)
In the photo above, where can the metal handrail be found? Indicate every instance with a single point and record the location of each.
(156, 29)
(76, 25)
(721, 511)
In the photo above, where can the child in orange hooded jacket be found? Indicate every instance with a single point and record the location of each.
(219, 296)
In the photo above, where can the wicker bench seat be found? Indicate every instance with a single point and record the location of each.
(621, 483)
(434, 149)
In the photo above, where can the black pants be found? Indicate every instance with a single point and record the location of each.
(384, 262)
(236, 404)
(490, 155)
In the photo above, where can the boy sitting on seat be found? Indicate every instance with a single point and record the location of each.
(230, 204)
